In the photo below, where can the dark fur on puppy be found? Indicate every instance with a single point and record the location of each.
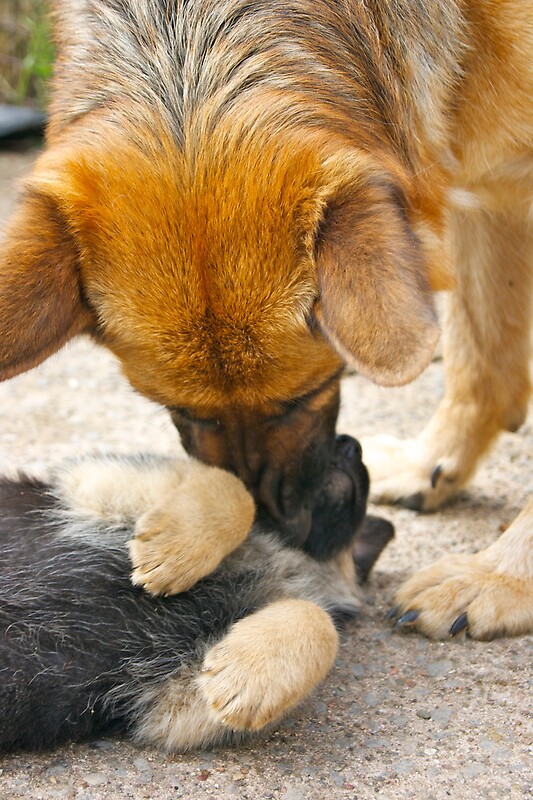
(82, 649)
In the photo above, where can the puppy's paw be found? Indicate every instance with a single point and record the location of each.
(402, 471)
(185, 540)
(268, 662)
(465, 593)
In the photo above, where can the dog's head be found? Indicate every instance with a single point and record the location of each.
(232, 281)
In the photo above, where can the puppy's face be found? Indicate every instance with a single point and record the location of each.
(341, 502)
(232, 282)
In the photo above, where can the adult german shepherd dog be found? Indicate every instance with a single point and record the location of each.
(81, 648)
(239, 196)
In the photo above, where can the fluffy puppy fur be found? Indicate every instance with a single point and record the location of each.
(238, 197)
(82, 649)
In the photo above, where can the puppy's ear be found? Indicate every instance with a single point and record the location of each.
(375, 304)
(41, 305)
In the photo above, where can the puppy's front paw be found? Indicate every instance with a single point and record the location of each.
(177, 545)
(465, 592)
(268, 662)
(402, 471)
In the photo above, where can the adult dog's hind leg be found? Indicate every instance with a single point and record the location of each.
(486, 349)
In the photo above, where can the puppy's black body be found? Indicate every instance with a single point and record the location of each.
(82, 649)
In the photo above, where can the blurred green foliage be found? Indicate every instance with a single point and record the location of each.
(26, 52)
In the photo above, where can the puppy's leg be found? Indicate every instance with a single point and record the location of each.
(175, 715)
(188, 516)
(268, 662)
(486, 350)
(489, 594)
(187, 536)
(119, 489)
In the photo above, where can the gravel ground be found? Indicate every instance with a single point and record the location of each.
(399, 716)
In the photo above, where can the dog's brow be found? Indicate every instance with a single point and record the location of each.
(208, 422)
(301, 400)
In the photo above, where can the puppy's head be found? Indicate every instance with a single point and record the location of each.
(232, 280)
(340, 526)
(340, 503)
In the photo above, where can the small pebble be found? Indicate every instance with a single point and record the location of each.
(442, 715)
(102, 744)
(142, 764)
(404, 766)
(293, 794)
(474, 769)
(358, 670)
(438, 668)
(95, 778)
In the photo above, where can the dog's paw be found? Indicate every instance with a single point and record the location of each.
(268, 662)
(403, 471)
(185, 540)
(465, 593)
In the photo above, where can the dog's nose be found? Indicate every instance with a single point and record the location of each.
(348, 447)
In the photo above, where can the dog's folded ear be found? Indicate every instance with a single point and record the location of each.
(375, 305)
(41, 304)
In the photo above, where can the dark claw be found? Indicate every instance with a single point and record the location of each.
(392, 612)
(460, 624)
(435, 475)
(407, 619)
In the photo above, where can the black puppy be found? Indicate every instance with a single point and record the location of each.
(82, 649)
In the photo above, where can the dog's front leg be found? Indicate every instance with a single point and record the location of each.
(486, 349)
(187, 535)
(268, 662)
(488, 594)
(262, 667)
(187, 516)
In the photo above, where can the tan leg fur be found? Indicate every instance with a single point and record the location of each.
(268, 662)
(494, 588)
(182, 529)
(486, 350)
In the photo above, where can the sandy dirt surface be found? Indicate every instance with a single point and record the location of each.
(399, 716)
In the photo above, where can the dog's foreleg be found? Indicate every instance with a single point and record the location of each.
(187, 516)
(119, 489)
(488, 594)
(486, 349)
(185, 537)
(268, 662)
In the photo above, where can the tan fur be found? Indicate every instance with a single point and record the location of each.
(179, 716)
(188, 516)
(269, 662)
(494, 588)
(265, 665)
(235, 201)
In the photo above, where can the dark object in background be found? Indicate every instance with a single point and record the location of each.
(17, 122)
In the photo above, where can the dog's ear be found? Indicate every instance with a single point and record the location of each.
(375, 305)
(41, 305)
